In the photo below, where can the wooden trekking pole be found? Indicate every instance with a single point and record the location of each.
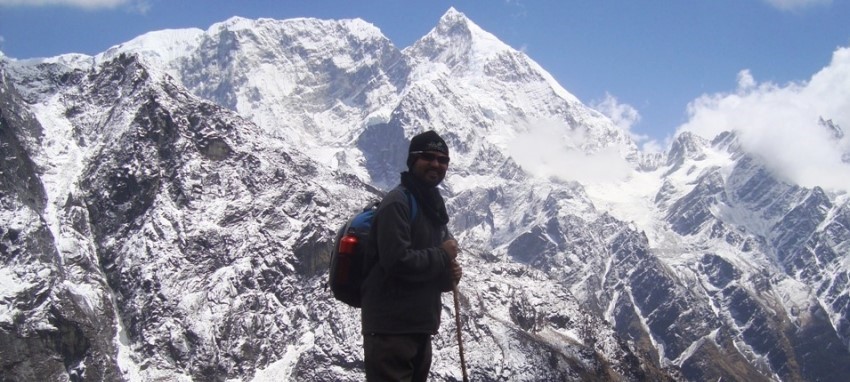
(459, 337)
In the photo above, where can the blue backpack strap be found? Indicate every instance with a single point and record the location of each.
(413, 207)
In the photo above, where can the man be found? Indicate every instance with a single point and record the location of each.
(414, 261)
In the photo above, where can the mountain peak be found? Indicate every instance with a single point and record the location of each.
(687, 145)
(453, 16)
(235, 22)
(455, 24)
(833, 128)
(457, 40)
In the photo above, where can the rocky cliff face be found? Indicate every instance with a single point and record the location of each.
(168, 206)
(57, 321)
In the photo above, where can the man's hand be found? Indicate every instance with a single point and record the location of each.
(457, 272)
(450, 246)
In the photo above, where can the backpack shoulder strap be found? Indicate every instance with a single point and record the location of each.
(411, 201)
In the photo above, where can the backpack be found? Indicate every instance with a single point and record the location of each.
(348, 256)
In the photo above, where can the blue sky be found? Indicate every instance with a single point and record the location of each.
(643, 62)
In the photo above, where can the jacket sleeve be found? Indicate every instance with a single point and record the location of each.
(446, 283)
(394, 247)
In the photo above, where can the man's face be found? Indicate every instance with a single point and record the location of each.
(430, 167)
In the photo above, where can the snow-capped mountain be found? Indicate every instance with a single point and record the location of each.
(168, 207)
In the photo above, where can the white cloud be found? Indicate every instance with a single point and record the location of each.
(780, 123)
(789, 5)
(550, 149)
(85, 4)
(746, 80)
(623, 115)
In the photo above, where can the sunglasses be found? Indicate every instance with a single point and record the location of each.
(428, 157)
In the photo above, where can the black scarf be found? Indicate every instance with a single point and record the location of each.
(430, 201)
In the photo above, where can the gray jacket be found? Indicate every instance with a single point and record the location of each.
(401, 292)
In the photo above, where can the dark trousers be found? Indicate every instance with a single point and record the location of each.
(394, 358)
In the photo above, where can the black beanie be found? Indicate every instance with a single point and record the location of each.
(427, 141)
